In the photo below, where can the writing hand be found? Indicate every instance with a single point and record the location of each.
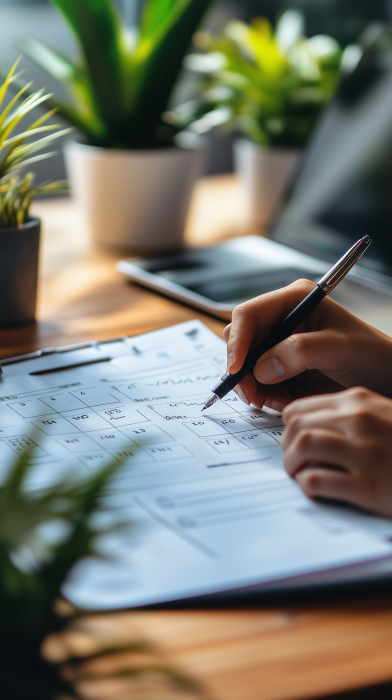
(330, 351)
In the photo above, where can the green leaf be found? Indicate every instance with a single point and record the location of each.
(100, 34)
(21, 512)
(28, 133)
(52, 61)
(125, 78)
(17, 115)
(8, 108)
(74, 80)
(154, 15)
(87, 124)
(7, 81)
(22, 150)
(29, 161)
(160, 63)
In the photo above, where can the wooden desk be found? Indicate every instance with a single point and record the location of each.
(286, 652)
(82, 296)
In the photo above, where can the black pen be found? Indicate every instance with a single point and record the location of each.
(292, 321)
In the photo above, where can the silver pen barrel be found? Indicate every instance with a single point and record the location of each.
(344, 265)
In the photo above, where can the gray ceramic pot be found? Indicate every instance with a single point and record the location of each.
(19, 253)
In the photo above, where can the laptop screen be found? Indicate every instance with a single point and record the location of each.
(343, 188)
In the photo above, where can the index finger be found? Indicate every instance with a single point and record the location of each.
(252, 320)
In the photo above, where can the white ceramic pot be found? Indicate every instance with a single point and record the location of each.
(134, 199)
(265, 173)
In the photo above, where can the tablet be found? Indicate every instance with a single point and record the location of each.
(218, 278)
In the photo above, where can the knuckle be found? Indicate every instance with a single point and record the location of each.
(362, 420)
(304, 440)
(298, 344)
(291, 461)
(358, 412)
(241, 310)
(289, 411)
(294, 424)
(303, 285)
(360, 394)
(226, 337)
(311, 483)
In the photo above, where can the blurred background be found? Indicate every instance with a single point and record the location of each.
(342, 19)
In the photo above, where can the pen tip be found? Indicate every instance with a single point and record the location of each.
(213, 399)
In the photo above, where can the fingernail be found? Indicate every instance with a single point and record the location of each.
(267, 371)
(277, 406)
(242, 396)
(230, 360)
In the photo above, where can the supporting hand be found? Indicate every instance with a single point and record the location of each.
(340, 447)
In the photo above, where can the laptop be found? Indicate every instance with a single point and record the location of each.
(341, 191)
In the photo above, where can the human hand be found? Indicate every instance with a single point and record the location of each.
(340, 447)
(330, 351)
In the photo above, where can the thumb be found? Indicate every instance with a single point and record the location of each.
(321, 350)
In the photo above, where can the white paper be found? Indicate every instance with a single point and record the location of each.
(214, 507)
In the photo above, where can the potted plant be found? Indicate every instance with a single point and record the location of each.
(271, 84)
(44, 534)
(33, 568)
(131, 177)
(20, 233)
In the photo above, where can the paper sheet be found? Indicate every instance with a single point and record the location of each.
(214, 507)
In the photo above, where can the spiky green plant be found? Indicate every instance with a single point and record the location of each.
(16, 195)
(19, 149)
(124, 78)
(33, 567)
(32, 571)
(271, 84)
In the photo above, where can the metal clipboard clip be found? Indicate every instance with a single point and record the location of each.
(63, 350)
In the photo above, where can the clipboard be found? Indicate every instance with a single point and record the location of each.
(360, 576)
(53, 359)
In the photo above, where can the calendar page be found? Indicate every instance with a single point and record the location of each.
(209, 504)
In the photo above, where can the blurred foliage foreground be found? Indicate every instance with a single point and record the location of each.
(47, 648)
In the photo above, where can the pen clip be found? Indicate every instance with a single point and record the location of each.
(332, 278)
